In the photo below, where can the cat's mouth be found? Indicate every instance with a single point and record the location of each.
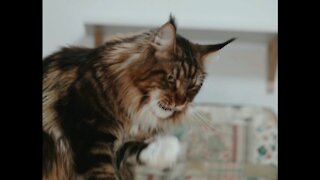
(162, 111)
(166, 108)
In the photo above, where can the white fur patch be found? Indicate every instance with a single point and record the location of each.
(161, 113)
(145, 120)
(151, 116)
(161, 153)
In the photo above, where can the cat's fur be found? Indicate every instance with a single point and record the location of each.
(102, 106)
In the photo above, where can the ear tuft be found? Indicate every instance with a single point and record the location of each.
(172, 21)
(207, 49)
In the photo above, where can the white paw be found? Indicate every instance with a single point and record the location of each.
(161, 153)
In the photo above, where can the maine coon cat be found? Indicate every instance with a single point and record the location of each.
(105, 108)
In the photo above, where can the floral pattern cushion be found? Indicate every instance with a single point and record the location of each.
(222, 143)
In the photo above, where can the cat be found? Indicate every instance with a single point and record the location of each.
(108, 108)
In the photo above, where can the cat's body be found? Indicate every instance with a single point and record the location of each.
(102, 105)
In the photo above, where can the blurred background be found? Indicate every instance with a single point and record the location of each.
(240, 95)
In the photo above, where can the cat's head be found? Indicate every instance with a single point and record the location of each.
(171, 73)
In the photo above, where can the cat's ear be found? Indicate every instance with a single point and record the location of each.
(205, 50)
(165, 39)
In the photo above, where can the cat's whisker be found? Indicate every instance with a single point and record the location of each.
(218, 134)
(200, 117)
(189, 117)
(203, 119)
(192, 120)
(203, 124)
(215, 131)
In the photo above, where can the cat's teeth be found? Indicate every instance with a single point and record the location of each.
(164, 108)
(162, 111)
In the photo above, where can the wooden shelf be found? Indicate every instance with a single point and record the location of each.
(272, 62)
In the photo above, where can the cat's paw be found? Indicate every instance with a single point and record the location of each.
(161, 153)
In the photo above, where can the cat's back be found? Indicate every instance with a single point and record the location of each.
(61, 68)
(66, 59)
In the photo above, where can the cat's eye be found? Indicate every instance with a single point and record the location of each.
(195, 88)
(170, 78)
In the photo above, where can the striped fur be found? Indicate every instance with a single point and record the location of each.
(100, 105)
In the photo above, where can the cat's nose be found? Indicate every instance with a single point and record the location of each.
(180, 99)
(180, 107)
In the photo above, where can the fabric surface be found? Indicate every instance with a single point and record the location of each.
(220, 142)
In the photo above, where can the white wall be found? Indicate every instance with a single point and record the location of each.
(63, 20)
(238, 75)
(234, 78)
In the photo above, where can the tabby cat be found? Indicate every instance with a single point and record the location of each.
(107, 108)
